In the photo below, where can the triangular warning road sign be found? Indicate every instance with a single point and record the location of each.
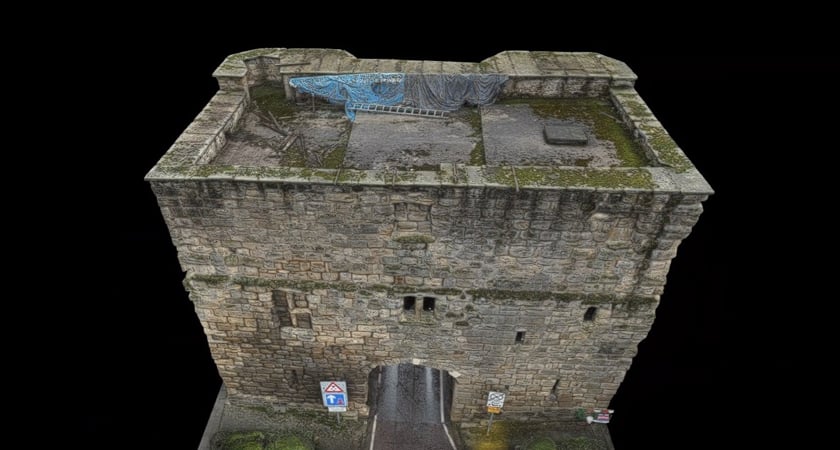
(332, 387)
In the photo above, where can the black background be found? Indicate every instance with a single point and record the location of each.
(715, 363)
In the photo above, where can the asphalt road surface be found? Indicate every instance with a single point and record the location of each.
(411, 409)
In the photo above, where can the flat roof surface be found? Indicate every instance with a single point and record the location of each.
(510, 132)
(250, 131)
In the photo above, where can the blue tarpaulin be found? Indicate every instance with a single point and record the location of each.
(379, 88)
(445, 92)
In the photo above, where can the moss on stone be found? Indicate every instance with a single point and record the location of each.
(271, 97)
(301, 285)
(665, 148)
(348, 175)
(211, 280)
(447, 291)
(567, 176)
(415, 239)
(635, 108)
(586, 299)
(409, 176)
(472, 116)
(324, 175)
(249, 54)
(632, 302)
(335, 157)
(486, 67)
(599, 114)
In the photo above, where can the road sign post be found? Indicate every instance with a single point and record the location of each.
(495, 401)
(334, 394)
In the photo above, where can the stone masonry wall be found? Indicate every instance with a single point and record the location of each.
(296, 283)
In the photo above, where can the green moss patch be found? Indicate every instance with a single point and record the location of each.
(586, 299)
(666, 149)
(599, 114)
(271, 97)
(566, 176)
(415, 239)
(335, 158)
(472, 116)
(631, 301)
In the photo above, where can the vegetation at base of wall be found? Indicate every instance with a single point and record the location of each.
(580, 443)
(507, 434)
(271, 97)
(257, 440)
(598, 114)
(542, 443)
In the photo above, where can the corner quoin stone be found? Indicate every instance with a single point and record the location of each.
(301, 275)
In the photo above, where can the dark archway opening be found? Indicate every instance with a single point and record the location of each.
(410, 393)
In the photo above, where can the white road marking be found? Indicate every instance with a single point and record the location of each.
(442, 417)
(373, 432)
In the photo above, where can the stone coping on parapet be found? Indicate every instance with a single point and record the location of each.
(644, 179)
(255, 64)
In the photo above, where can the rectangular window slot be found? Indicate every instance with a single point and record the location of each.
(520, 336)
(303, 320)
(281, 311)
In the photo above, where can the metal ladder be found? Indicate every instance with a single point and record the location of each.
(404, 110)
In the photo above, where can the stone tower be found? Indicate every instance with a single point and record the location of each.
(521, 246)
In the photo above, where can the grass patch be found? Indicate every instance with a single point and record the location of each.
(543, 443)
(257, 440)
(506, 434)
(335, 157)
(472, 116)
(599, 114)
(271, 97)
(581, 443)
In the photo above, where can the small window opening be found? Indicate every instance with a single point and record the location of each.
(590, 314)
(520, 336)
(304, 320)
(428, 303)
(554, 388)
(408, 302)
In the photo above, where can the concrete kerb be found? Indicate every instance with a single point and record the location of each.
(214, 423)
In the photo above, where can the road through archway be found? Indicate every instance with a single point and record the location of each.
(410, 408)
